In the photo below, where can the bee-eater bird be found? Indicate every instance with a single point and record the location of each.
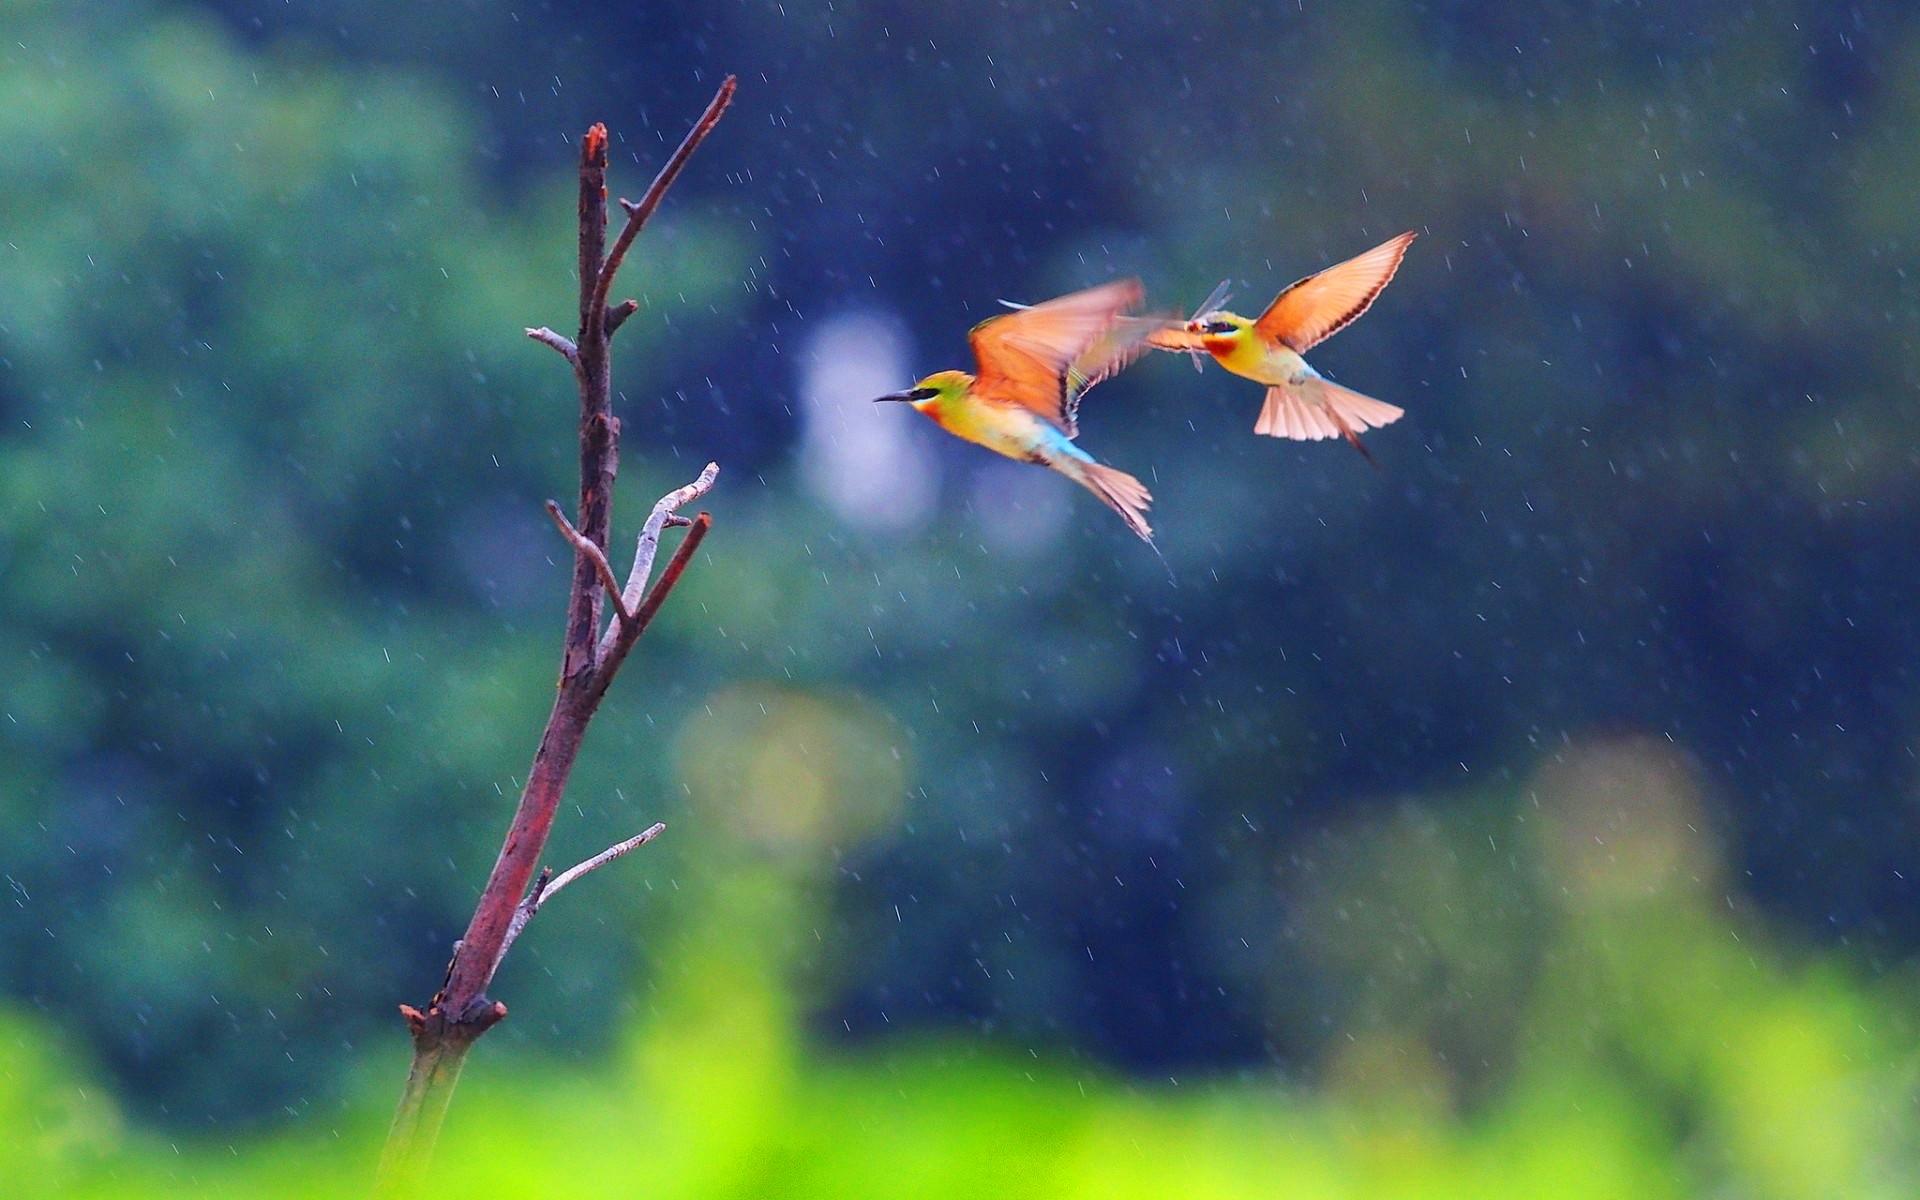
(1300, 403)
(1034, 365)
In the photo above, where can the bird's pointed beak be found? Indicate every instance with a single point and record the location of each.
(904, 397)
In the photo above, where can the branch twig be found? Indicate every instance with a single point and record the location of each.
(616, 643)
(548, 885)
(665, 513)
(617, 850)
(594, 554)
(637, 214)
(558, 341)
(676, 566)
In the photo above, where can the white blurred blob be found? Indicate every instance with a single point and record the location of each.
(1022, 509)
(861, 459)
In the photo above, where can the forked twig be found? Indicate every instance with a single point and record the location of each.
(549, 885)
(676, 566)
(646, 548)
(637, 214)
(601, 566)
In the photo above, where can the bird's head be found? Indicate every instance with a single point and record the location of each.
(1221, 325)
(935, 388)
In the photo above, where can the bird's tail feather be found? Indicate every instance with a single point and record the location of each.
(1312, 409)
(1122, 493)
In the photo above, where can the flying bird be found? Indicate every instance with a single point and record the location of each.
(1033, 366)
(1300, 403)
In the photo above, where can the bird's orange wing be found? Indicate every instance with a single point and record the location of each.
(1115, 350)
(1319, 306)
(1044, 357)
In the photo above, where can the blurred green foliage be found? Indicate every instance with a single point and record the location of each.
(1452, 831)
(1655, 1044)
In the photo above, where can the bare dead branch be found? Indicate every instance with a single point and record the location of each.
(583, 679)
(601, 566)
(549, 885)
(558, 341)
(461, 1011)
(584, 672)
(637, 214)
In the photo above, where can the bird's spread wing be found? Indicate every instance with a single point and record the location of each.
(1044, 357)
(1319, 306)
(1116, 350)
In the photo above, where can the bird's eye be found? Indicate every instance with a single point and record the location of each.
(924, 393)
(1220, 327)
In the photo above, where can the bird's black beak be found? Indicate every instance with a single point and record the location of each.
(906, 397)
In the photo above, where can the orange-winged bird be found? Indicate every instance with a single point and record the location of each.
(1300, 402)
(1034, 365)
